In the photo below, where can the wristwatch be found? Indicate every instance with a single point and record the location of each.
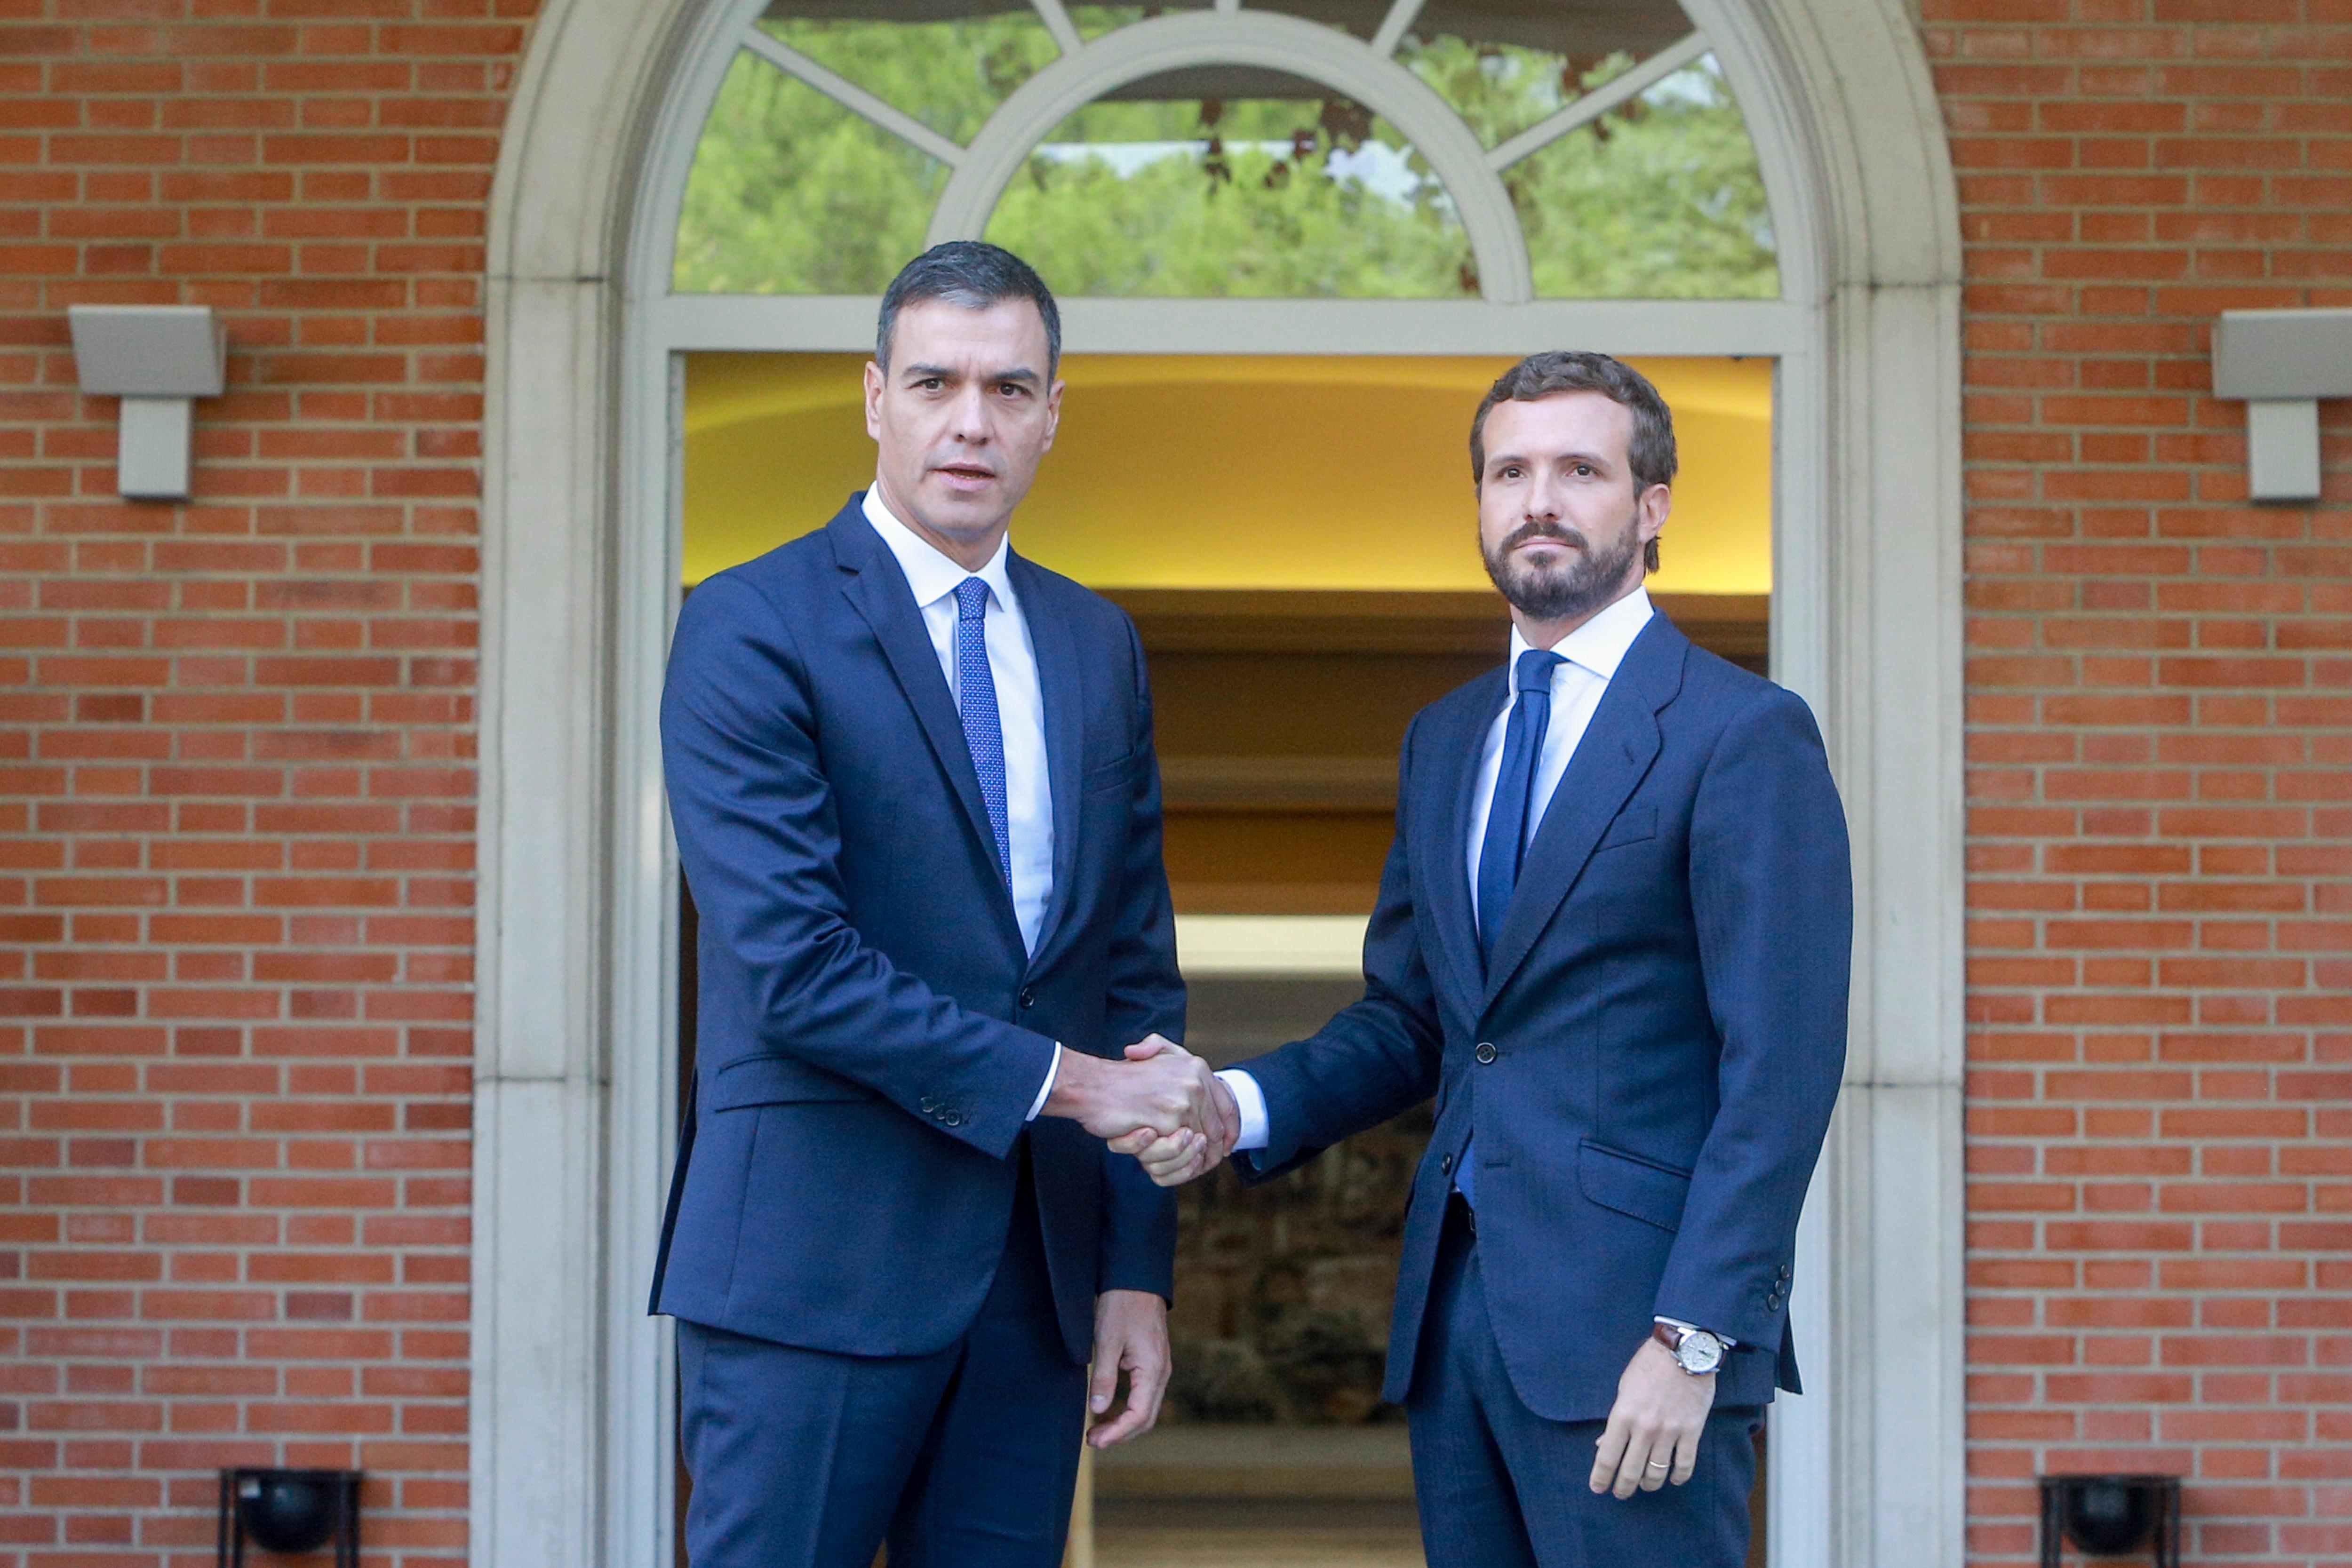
(1695, 1351)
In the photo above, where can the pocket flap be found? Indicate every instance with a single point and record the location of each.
(1628, 1183)
(1633, 824)
(775, 1081)
(1118, 772)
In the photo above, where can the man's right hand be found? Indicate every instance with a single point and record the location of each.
(1172, 1159)
(1161, 1087)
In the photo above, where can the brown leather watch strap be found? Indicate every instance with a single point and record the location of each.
(1672, 1337)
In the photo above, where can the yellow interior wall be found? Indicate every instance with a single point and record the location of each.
(1226, 471)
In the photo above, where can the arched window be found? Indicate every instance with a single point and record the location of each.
(1313, 148)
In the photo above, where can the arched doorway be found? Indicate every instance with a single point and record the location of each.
(575, 1100)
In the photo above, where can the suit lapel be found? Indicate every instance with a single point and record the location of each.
(878, 591)
(1057, 680)
(1615, 752)
(1447, 871)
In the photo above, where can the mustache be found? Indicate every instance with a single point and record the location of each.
(1537, 528)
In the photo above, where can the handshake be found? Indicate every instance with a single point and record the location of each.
(1161, 1105)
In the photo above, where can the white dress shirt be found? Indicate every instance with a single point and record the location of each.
(1589, 659)
(1020, 708)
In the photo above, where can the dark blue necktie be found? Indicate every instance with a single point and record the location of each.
(1506, 816)
(976, 704)
(1507, 822)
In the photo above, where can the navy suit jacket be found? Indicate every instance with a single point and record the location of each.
(1649, 1062)
(871, 1032)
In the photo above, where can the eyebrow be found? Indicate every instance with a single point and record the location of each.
(1023, 374)
(1594, 458)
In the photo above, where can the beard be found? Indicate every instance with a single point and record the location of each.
(1589, 580)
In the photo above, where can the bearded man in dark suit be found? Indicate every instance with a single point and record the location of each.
(1613, 939)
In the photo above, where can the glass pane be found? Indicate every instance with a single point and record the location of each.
(1507, 64)
(947, 70)
(792, 194)
(1358, 18)
(1094, 21)
(1660, 199)
(1283, 193)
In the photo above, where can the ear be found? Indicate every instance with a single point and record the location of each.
(1053, 413)
(1650, 511)
(874, 385)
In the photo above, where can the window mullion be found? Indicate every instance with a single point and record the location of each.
(1400, 15)
(1057, 17)
(852, 97)
(1599, 102)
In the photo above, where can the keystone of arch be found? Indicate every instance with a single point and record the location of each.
(1273, 42)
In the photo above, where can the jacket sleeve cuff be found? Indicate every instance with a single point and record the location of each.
(1694, 1328)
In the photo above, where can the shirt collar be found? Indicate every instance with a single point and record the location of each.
(1600, 644)
(929, 572)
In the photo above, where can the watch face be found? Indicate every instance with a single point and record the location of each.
(1699, 1352)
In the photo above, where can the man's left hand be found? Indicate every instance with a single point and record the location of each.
(1654, 1426)
(1131, 1336)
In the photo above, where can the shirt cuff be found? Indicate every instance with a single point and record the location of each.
(1046, 1089)
(1694, 1328)
(1251, 1100)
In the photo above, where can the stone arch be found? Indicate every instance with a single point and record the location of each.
(570, 1422)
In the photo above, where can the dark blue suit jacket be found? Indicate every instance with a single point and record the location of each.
(1666, 1010)
(871, 1032)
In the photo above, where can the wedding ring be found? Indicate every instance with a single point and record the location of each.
(1660, 1464)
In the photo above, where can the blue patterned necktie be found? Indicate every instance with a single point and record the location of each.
(976, 704)
(1506, 822)
(1506, 816)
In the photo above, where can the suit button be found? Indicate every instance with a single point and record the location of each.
(1028, 999)
(1446, 1164)
(954, 1118)
(1485, 1053)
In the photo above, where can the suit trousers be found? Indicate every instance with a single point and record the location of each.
(966, 1458)
(1500, 1487)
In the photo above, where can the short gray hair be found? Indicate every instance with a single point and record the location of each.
(975, 275)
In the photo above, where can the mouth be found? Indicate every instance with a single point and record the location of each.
(965, 475)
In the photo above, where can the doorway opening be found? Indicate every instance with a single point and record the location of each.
(1295, 242)
(1294, 536)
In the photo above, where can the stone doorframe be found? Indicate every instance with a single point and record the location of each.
(570, 1415)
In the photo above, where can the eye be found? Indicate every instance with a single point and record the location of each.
(931, 383)
(1583, 470)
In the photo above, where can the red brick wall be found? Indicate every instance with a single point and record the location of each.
(2160, 719)
(236, 769)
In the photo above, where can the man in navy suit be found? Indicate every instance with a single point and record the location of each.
(1613, 939)
(915, 794)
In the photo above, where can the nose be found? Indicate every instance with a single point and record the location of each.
(1543, 502)
(969, 423)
